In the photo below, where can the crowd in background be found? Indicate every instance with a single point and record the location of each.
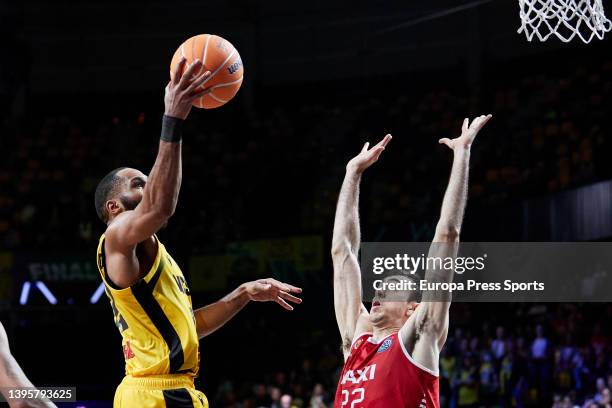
(277, 171)
(547, 134)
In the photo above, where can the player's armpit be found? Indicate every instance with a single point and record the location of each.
(351, 315)
(363, 326)
(423, 348)
(425, 332)
(122, 265)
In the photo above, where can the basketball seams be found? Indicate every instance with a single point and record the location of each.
(203, 67)
(193, 41)
(216, 98)
(227, 83)
(205, 51)
(220, 67)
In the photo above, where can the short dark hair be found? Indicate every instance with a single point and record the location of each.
(414, 295)
(105, 190)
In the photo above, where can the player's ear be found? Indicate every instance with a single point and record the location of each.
(113, 207)
(412, 306)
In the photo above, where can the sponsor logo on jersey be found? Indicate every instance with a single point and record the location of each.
(127, 351)
(358, 376)
(385, 346)
(182, 284)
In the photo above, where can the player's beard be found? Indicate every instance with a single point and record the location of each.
(131, 203)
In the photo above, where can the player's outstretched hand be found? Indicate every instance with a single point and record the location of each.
(271, 290)
(468, 133)
(366, 157)
(184, 88)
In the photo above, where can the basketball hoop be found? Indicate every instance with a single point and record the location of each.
(563, 18)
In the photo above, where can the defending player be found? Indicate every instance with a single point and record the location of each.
(391, 353)
(148, 293)
(13, 377)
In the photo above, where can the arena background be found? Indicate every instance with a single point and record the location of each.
(81, 92)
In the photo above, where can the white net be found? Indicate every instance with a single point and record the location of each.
(563, 18)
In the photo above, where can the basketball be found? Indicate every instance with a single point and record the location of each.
(220, 58)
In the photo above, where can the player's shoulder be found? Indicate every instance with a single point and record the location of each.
(360, 339)
(113, 237)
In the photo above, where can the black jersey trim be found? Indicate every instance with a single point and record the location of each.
(178, 398)
(107, 278)
(143, 292)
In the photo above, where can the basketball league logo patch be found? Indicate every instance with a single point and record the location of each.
(385, 346)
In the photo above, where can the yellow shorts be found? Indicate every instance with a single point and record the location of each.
(159, 391)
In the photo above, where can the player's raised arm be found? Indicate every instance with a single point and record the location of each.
(11, 376)
(430, 322)
(212, 317)
(161, 191)
(351, 315)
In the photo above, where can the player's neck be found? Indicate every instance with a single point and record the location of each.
(379, 333)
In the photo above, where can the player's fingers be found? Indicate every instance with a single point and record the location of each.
(187, 77)
(445, 141)
(485, 119)
(284, 304)
(377, 151)
(481, 121)
(289, 297)
(178, 70)
(198, 81)
(199, 93)
(277, 283)
(294, 289)
(384, 141)
(365, 147)
(466, 123)
(280, 285)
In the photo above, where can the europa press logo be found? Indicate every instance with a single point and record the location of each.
(385, 346)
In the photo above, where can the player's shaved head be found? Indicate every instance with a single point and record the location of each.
(106, 190)
(124, 185)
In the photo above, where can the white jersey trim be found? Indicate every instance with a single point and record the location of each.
(435, 373)
(371, 339)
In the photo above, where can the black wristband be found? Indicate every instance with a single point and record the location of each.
(172, 129)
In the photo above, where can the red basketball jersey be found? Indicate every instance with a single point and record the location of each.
(384, 375)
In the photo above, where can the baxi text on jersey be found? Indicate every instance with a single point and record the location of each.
(358, 376)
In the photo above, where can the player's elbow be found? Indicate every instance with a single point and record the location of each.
(340, 249)
(447, 233)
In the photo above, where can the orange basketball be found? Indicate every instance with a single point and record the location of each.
(220, 58)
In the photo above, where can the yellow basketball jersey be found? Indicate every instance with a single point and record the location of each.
(155, 318)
